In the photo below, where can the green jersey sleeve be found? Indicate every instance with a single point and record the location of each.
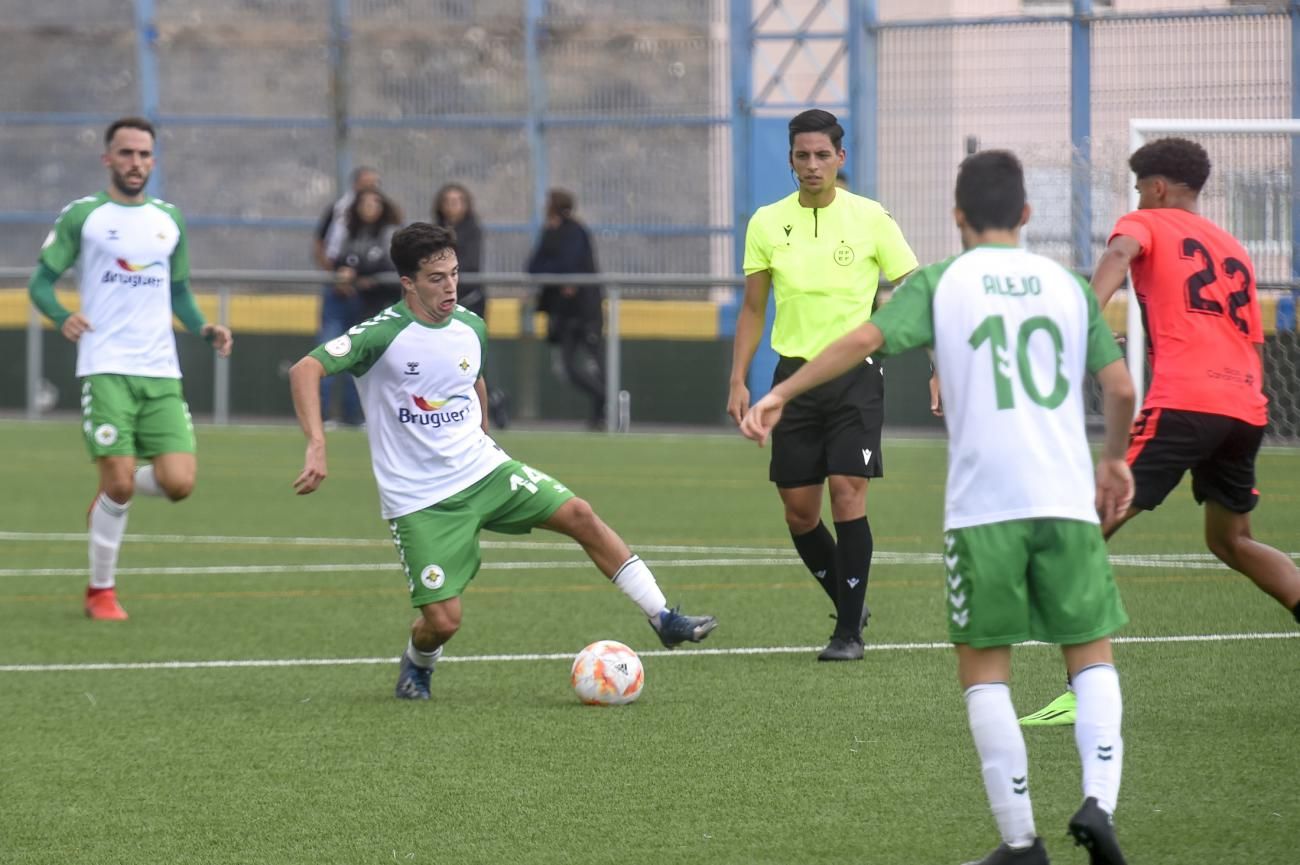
(479, 326)
(180, 262)
(358, 349)
(63, 244)
(1102, 348)
(758, 251)
(894, 256)
(907, 320)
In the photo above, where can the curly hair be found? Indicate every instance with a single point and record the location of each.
(1176, 159)
(418, 242)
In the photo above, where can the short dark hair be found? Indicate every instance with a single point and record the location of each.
(991, 190)
(127, 123)
(1176, 159)
(817, 120)
(416, 243)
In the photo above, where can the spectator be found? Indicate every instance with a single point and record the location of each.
(574, 312)
(339, 308)
(453, 207)
(363, 260)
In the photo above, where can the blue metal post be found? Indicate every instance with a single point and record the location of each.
(742, 76)
(340, 83)
(1081, 133)
(534, 12)
(1293, 9)
(864, 93)
(146, 61)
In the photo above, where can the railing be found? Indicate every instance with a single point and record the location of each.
(224, 281)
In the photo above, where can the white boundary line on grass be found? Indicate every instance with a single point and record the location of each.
(566, 656)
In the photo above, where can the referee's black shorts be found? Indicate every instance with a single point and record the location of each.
(833, 429)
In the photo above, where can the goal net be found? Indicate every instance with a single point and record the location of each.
(1252, 192)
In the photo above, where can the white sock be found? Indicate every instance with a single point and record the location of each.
(1003, 760)
(146, 483)
(107, 526)
(634, 579)
(1097, 733)
(424, 660)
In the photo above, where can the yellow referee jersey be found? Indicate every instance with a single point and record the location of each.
(825, 264)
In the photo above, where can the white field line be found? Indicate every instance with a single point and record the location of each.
(242, 540)
(218, 570)
(568, 656)
(767, 555)
(1174, 561)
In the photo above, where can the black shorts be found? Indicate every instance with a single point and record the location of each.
(1217, 449)
(833, 429)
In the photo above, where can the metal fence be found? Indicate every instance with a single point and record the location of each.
(652, 113)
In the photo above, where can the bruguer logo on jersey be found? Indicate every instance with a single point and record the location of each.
(134, 275)
(435, 412)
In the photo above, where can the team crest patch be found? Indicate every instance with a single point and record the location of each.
(433, 577)
(464, 364)
(844, 255)
(106, 434)
(339, 347)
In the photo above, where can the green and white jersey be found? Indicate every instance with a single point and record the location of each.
(423, 416)
(1013, 335)
(127, 257)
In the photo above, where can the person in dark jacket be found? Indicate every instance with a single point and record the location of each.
(574, 312)
(453, 207)
(363, 266)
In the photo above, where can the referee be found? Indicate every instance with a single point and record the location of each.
(822, 249)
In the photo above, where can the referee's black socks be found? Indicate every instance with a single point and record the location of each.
(817, 549)
(853, 547)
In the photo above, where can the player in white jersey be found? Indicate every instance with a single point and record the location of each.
(1013, 335)
(441, 478)
(132, 258)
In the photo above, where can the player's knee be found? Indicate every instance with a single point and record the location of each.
(580, 520)
(178, 489)
(801, 523)
(1224, 547)
(120, 490)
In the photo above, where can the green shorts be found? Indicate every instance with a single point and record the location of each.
(1038, 579)
(438, 546)
(135, 415)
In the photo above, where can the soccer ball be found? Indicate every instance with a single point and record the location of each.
(607, 673)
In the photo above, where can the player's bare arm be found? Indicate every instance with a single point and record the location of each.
(480, 388)
(749, 330)
(221, 338)
(836, 359)
(1112, 268)
(1114, 478)
(304, 385)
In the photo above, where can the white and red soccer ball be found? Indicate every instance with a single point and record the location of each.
(607, 673)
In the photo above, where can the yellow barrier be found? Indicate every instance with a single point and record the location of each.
(300, 314)
(640, 319)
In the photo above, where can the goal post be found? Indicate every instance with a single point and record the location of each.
(1278, 238)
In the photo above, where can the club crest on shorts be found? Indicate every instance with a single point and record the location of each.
(106, 434)
(433, 577)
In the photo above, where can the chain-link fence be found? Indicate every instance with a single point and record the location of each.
(264, 106)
